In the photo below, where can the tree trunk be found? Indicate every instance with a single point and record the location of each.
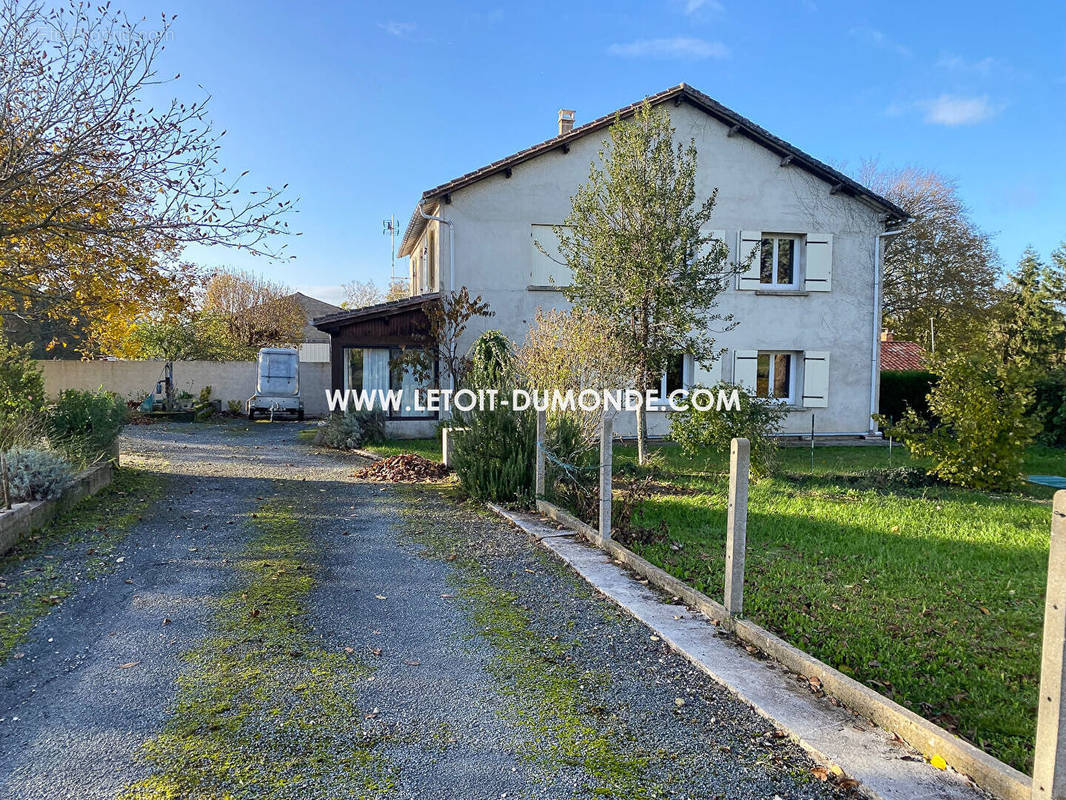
(642, 420)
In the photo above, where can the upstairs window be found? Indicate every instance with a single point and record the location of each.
(431, 261)
(779, 261)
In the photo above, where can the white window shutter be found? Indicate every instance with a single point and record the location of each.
(745, 369)
(750, 247)
(545, 268)
(707, 377)
(819, 275)
(815, 379)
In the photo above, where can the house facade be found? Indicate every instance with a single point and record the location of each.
(807, 310)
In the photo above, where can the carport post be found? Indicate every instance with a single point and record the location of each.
(542, 430)
(736, 526)
(606, 443)
(1049, 757)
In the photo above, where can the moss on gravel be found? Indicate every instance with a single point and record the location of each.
(264, 711)
(42, 570)
(563, 725)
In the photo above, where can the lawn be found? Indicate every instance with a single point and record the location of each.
(427, 448)
(932, 596)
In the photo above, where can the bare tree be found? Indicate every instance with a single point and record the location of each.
(360, 294)
(92, 179)
(942, 267)
(252, 312)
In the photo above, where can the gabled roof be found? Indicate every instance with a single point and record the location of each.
(901, 356)
(738, 124)
(312, 308)
(333, 321)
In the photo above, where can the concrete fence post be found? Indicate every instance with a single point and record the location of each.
(542, 432)
(736, 526)
(606, 453)
(1049, 757)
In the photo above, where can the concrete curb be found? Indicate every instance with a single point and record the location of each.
(987, 772)
(24, 518)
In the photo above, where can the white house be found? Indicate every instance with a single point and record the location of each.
(808, 309)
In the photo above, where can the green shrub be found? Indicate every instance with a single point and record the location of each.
(571, 467)
(86, 424)
(1049, 407)
(34, 474)
(903, 390)
(984, 426)
(235, 407)
(494, 457)
(756, 420)
(21, 382)
(351, 430)
(203, 408)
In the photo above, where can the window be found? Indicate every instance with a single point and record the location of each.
(379, 369)
(416, 273)
(775, 376)
(431, 262)
(678, 375)
(353, 368)
(779, 261)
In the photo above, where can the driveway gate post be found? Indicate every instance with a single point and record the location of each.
(606, 443)
(736, 526)
(1049, 758)
(542, 429)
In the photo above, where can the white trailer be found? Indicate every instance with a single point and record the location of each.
(277, 387)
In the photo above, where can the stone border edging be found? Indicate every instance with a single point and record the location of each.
(24, 518)
(986, 771)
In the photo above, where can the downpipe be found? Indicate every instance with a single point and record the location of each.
(875, 360)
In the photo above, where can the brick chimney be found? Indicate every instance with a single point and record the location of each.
(566, 120)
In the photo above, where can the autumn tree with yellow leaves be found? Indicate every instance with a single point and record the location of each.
(100, 193)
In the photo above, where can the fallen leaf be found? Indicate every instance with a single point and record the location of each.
(821, 773)
(381, 597)
(815, 682)
(938, 762)
(166, 620)
(446, 596)
(412, 662)
(679, 701)
(375, 651)
(129, 664)
(349, 650)
(848, 783)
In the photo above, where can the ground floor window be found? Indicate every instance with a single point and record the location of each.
(775, 376)
(381, 369)
(678, 375)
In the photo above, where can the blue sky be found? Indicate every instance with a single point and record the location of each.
(359, 107)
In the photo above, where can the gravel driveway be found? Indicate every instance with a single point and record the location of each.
(272, 628)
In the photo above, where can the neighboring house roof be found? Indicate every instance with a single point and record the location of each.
(331, 322)
(740, 125)
(901, 356)
(312, 308)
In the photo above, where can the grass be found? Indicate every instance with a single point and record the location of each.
(427, 448)
(263, 710)
(932, 596)
(44, 568)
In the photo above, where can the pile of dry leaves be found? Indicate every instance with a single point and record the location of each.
(406, 467)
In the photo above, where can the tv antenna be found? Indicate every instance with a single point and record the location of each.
(388, 228)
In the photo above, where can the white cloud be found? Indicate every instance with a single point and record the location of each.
(683, 47)
(983, 66)
(692, 6)
(400, 29)
(952, 110)
(875, 38)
